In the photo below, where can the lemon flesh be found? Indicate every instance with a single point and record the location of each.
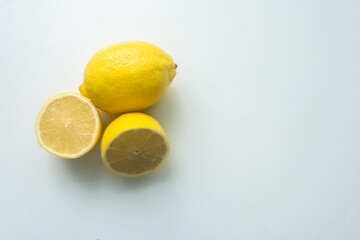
(68, 125)
(134, 145)
(127, 76)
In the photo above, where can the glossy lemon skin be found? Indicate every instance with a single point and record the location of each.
(127, 76)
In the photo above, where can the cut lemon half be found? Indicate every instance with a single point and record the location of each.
(68, 125)
(133, 145)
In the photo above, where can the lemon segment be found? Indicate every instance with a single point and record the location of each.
(133, 145)
(68, 125)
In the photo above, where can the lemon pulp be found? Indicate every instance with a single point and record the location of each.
(134, 145)
(68, 125)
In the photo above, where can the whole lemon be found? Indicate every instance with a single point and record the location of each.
(127, 76)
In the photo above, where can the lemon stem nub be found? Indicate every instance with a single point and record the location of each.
(176, 66)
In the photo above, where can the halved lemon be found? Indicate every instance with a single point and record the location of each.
(68, 125)
(133, 145)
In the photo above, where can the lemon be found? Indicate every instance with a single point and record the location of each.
(68, 125)
(127, 76)
(82, 91)
(133, 145)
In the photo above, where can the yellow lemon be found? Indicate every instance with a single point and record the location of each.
(133, 145)
(127, 76)
(82, 91)
(68, 125)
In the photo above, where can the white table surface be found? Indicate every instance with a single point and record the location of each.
(263, 119)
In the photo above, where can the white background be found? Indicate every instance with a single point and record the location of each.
(263, 119)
